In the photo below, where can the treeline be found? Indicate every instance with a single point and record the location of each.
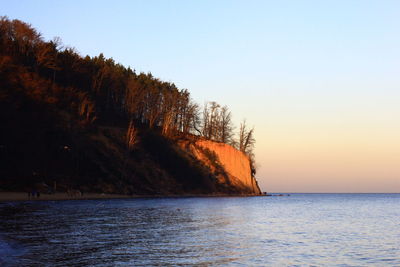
(98, 90)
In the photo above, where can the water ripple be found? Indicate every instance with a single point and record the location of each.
(341, 230)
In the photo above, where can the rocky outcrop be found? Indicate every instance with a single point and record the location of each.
(230, 166)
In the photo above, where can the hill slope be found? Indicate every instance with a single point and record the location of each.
(88, 123)
(37, 148)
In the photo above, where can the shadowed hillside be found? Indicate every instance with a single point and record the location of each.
(72, 122)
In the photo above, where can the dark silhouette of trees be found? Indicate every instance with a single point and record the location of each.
(100, 91)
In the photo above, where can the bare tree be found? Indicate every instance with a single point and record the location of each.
(225, 126)
(211, 118)
(206, 118)
(246, 139)
(169, 113)
(193, 118)
(214, 121)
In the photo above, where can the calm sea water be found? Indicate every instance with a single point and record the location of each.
(301, 229)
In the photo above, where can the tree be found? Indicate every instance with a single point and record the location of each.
(225, 126)
(97, 88)
(206, 119)
(131, 136)
(211, 118)
(46, 56)
(193, 118)
(217, 123)
(86, 108)
(246, 139)
(169, 110)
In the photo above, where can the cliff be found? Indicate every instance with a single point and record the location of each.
(230, 166)
(88, 123)
(51, 155)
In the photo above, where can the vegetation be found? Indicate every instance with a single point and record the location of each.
(53, 99)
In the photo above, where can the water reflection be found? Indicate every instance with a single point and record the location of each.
(301, 229)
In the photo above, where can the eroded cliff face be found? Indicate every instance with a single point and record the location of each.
(230, 166)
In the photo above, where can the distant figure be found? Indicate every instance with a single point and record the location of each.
(38, 194)
(29, 194)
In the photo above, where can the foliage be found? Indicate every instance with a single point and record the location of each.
(104, 91)
(49, 89)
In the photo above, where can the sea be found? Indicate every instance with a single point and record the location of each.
(288, 230)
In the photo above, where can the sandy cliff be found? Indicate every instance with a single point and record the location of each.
(230, 166)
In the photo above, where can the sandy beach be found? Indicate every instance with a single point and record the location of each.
(23, 196)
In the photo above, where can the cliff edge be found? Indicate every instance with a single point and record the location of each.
(230, 166)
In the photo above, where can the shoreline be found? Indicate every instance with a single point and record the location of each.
(60, 196)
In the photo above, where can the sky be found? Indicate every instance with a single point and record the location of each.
(319, 80)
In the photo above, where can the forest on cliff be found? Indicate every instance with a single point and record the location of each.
(91, 123)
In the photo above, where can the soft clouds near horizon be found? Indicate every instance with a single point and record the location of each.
(319, 80)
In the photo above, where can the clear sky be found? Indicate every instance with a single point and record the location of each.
(319, 80)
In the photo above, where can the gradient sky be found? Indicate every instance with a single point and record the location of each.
(319, 80)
